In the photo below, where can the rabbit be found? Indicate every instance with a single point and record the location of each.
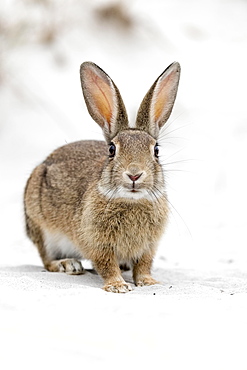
(105, 201)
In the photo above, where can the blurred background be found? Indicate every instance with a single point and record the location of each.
(204, 144)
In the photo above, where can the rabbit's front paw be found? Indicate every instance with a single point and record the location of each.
(117, 287)
(146, 280)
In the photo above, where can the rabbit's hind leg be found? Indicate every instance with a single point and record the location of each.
(61, 255)
(71, 266)
(56, 251)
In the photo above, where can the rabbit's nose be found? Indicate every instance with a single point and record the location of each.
(134, 177)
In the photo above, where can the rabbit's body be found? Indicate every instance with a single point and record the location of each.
(109, 207)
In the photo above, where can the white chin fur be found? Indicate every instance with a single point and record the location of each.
(124, 193)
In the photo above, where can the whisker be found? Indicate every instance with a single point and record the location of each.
(178, 151)
(179, 161)
(179, 215)
(152, 194)
(171, 122)
(112, 194)
(178, 170)
(165, 132)
(167, 143)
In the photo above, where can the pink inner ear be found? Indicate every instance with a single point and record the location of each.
(100, 94)
(163, 96)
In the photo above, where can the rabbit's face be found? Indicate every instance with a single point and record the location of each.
(133, 170)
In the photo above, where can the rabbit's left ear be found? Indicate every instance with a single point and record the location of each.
(157, 104)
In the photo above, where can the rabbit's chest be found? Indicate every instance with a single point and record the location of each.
(130, 229)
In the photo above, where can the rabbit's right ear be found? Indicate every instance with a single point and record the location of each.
(157, 104)
(103, 100)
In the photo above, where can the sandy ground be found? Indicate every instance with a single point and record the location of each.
(196, 318)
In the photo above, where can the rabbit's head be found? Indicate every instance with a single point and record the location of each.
(133, 170)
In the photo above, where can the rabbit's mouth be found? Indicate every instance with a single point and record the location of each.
(136, 188)
(128, 192)
(132, 193)
(135, 191)
(133, 188)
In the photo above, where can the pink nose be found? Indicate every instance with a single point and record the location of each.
(135, 177)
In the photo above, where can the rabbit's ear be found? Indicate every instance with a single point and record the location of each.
(157, 105)
(103, 100)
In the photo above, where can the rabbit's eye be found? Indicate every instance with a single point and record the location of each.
(112, 150)
(156, 151)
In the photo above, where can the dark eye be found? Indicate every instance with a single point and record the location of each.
(112, 150)
(156, 151)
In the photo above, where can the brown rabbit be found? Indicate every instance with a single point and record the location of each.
(105, 202)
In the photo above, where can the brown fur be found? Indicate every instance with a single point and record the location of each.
(73, 211)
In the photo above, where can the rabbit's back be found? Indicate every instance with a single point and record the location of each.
(74, 166)
(56, 187)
